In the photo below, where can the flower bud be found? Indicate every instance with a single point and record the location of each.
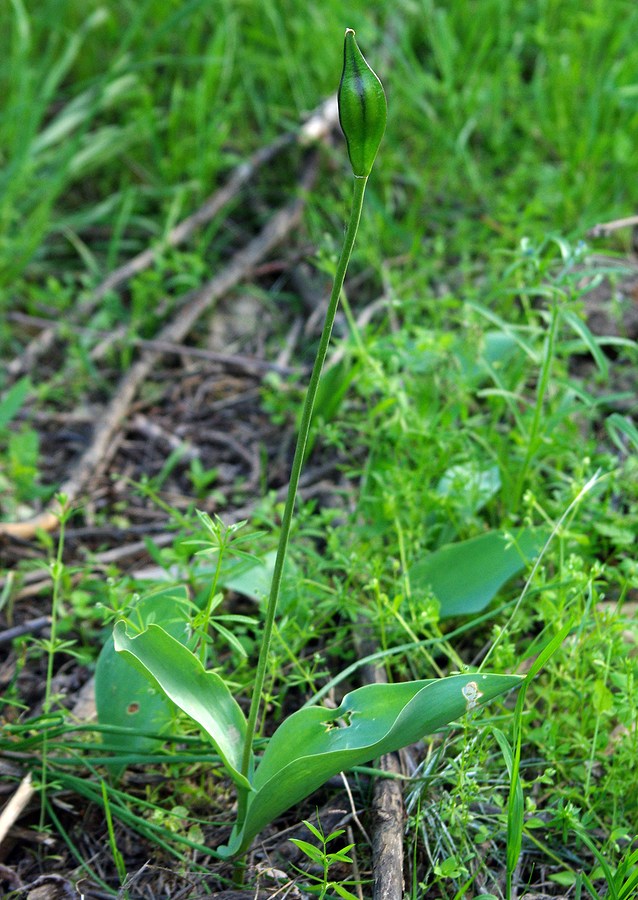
(362, 108)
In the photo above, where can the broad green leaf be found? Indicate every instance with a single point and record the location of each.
(202, 695)
(251, 578)
(471, 484)
(12, 401)
(497, 350)
(464, 577)
(123, 696)
(315, 743)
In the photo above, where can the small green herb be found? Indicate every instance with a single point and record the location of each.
(325, 858)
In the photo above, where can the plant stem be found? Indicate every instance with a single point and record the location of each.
(533, 439)
(297, 463)
(57, 569)
(211, 597)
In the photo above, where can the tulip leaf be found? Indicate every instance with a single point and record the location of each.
(251, 578)
(202, 695)
(470, 486)
(123, 697)
(466, 576)
(316, 743)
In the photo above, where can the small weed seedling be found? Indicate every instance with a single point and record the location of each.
(325, 858)
(314, 743)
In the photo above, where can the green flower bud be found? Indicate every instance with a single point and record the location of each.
(362, 107)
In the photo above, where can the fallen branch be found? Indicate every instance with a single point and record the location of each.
(83, 711)
(387, 832)
(251, 365)
(33, 626)
(16, 806)
(387, 812)
(604, 229)
(197, 302)
(317, 127)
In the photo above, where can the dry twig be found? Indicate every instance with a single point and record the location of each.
(250, 364)
(316, 128)
(604, 229)
(33, 626)
(387, 810)
(197, 302)
(16, 806)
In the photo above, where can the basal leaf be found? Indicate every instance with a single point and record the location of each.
(251, 578)
(498, 349)
(316, 743)
(11, 402)
(123, 696)
(466, 576)
(202, 695)
(471, 485)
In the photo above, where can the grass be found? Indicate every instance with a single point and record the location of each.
(475, 398)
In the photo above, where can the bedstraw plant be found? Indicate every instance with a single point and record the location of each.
(314, 743)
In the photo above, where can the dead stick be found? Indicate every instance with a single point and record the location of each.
(38, 580)
(197, 303)
(604, 229)
(387, 832)
(387, 805)
(316, 128)
(16, 806)
(83, 711)
(309, 488)
(33, 626)
(248, 364)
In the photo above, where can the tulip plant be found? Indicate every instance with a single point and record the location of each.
(314, 743)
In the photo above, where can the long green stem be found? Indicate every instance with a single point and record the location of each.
(211, 597)
(300, 449)
(541, 391)
(57, 569)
